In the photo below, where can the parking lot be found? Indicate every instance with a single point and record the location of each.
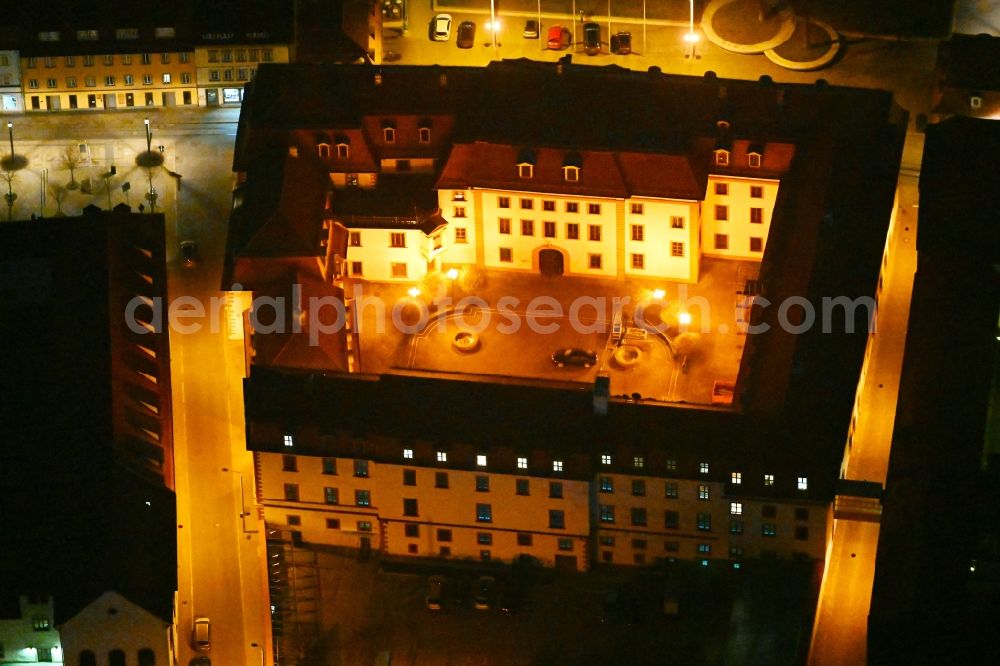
(519, 340)
(607, 616)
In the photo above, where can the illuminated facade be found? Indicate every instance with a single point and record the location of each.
(28, 633)
(11, 97)
(224, 67)
(113, 628)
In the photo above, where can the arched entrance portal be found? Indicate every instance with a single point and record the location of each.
(550, 262)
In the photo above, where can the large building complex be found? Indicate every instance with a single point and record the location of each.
(391, 174)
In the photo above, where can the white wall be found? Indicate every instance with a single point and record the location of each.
(738, 227)
(451, 208)
(130, 629)
(658, 236)
(377, 255)
(11, 97)
(20, 639)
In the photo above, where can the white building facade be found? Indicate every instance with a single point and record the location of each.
(31, 637)
(11, 95)
(113, 630)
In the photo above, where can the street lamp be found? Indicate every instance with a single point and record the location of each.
(149, 137)
(494, 27)
(691, 37)
(243, 503)
(10, 132)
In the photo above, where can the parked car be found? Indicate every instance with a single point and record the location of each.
(466, 35)
(621, 43)
(558, 38)
(574, 356)
(591, 38)
(435, 592)
(189, 254)
(485, 592)
(530, 29)
(441, 28)
(201, 636)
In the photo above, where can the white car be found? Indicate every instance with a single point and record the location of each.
(441, 28)
(202, 635)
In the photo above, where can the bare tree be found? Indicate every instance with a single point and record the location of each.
(59, 192)
(71, 159)
(11, 196)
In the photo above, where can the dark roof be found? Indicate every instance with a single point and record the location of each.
(970, 62)
(59, 457)
(409, 196)
(939, 509)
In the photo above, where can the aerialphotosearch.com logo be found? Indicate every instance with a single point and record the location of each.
(544, 315)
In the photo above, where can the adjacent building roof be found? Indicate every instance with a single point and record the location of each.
(970, 62)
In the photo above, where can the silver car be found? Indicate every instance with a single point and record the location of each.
(441, 28)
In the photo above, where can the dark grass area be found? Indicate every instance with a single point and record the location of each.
(808, 42)
(743, 23)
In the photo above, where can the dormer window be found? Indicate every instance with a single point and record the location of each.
(424, 132)
(753, 159)
(343, 147)
(525, 170)
(722, 157)
(323, 150)
(571, 174)
(389, 131)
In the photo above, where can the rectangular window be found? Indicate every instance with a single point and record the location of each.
(803, 483)
(440, 479)
(801, 533)
(704, 548)
(756, 216)
(769, 480)
(409, 507)
(71, 82)
(671, 520)
(288, 440)
(128, 79)
(165, 58)
(266, 55)
(30, 62)
(364, 525)
(397, 239)
(768, 530)
(557, 465)
(594, 232)
(753, 159)
(409, 477)
(506, 254)
(572, 207)
(756, 192)
(484, 513)
(444, 535)
(424, 135)
(289, 464)
(90, 81)
(126, 59)
(703, 467)
(594, 209)
(607, 484)
(670, 490)
(50, 62)
(398, 270)
(333, 523)
(721, 242)
(549, 229)
(769, 511)
(109, 80)
(736, 508)
(292, 492)
(565, 544)
(69, 61)
(639, 487)
(527, 227)
(524, 539)
(637, 210)
(442, 456)
(482, 484)
(721, 213)
(638, 516)
(411, 531)
(51, 83)
(595, 261)
(330, 466)
(605, 458)
(522, 463)
(331, 495)
(549, 205)
(638, 462)
(460, 235)
(294, 520)
(671, 465)
(213, 75)
(459, 211)
(408, 454)
(354, 239)
(147, 79)
(735, 526)
(484, 539)
(638, 261)
(756, 244)
(572, 231)
(705, 522)
(127, 33)
(676, 249)
(522, 486)
(703, 492)
(227, 55)
(555, 489)
(166, 78)
(801, 514)
(606, 513)
(557, 519)
(357, 268)
(504, 225)
(213, 56)
(671, 546)
(736, 478)
(607, 541)
(503, 202)
(527, 204)
(362, 497)
(721, 189)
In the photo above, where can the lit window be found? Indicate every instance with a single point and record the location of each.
(481, 460)
(557, 465)
(289, 440)
(607, 484)
(166, 78)
(442, 456)
(522, 463)
(736, 478)
(672, 465)
(638, 462)
(722, 157)
(362, 497)
(571, 173)
(525, 170)
(703, 492)
(769, 479)
(408, 453)
(361, 468)
(803, 483)
(605, 459)
(704, 548)
(703, 467)
(425, 134)
(484, 513)
(736, 508)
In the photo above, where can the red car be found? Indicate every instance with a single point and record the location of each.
(558, 38)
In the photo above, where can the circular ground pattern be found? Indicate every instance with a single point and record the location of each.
(740, 22)
(149, 158)
(13, 162)
(813, 45)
